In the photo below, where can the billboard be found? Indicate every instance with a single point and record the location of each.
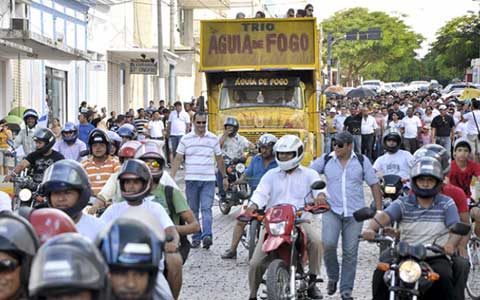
(258, 44)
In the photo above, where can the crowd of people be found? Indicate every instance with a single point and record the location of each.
(124, 228)
(291, 13)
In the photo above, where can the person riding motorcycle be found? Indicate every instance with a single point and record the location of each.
(422, 217)
(259, 165)
(40, 159)
(66, 187)
(100, 164)
(25, 136)
(135, 185)
(287, 183)
(395, 161)
(233, 146)
(18, 245)
(127, 133)
(173, 201)
(70, 145)
(69, 266)
(133, 271)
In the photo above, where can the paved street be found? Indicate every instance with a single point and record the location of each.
(207, 276)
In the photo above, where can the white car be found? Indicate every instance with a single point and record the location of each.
(420, 85)
(394, 86)
(376, 85)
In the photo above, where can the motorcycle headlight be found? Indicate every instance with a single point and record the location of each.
(390, 190)
(25, 194)
(409, 271)
(240, 168)
(277, 228)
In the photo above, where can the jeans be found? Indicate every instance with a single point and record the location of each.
(221, 190)
(174, 141)
(460, 268)
(442, 289)
(334, 225)
(445, 142)
(410, 144)
(357, 143)
(367, 145)
(328, 143)
(200, 196)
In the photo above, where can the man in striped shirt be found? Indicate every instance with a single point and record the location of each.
(200, 147)
(99, 165)
(140, 122)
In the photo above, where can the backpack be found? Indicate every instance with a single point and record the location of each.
(184, 247)
(360, 157)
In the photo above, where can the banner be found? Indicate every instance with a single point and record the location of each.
(258, 44)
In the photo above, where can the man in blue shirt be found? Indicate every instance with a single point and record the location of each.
(345, 172)
(259, 165)
(84, 127)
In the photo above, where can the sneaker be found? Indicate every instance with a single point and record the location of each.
(314, 293)
(207, 242)
(229, 254)
(195, 244)
(331, 287)
(347, 296)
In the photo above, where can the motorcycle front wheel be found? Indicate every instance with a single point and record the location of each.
(278, 278)
(253, 233)
(224, 206)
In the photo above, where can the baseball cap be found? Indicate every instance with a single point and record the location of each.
(343, 137)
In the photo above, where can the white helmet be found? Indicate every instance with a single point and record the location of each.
(289, 143)
(267, 139)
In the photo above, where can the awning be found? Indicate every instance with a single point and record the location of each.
(42, 47)
(11, 50)
(127, 54)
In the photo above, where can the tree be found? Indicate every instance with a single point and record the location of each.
(456, 44)
(391, 59)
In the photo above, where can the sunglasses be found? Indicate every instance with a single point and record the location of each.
(8, 265)
(153, 164)
(200, 122)
(338, 145)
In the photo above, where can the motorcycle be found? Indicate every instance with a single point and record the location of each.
(26, 193)
(408, 275)
(236, 192)
(286, 244)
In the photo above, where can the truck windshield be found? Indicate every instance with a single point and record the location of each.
(234, 97)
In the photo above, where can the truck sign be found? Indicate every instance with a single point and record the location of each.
(250, 43)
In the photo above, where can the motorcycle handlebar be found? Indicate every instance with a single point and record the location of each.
(378, 238)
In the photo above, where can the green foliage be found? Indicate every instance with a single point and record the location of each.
(457, 42)
(390, 59)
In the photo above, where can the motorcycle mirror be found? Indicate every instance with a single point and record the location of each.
(318, 185)
(364, 214)
(460, 229)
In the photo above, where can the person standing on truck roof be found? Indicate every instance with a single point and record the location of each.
(309, 10)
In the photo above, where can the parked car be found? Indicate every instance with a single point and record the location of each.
(434, 85)
(375, 85)
(459, 86)
(420, 85)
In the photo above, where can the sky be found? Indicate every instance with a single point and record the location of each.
(424, 16)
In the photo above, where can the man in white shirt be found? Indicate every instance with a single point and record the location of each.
(156, 127)
(288, 183)
(395, 161)
(201, 149)
(368, 128)
(339, 119)
(66, 186)
(135, 184)
(473, 125)
(178, 126)
(412, 126)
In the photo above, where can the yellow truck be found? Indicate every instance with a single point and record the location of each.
(264, 72)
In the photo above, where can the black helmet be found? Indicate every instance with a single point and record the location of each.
(135, 169)
(436, 151)
(426, 166)
(70, 127)
(98, 136)
(30, 113)
(18, 237)
(45, 135)
(67, 174)
(232, 121)
(66, 264)
(392, 134)
(128, 244)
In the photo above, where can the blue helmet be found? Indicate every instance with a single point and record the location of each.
(127, 131)
(70, 127)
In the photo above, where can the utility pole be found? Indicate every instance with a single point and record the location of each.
(161, 85)
(171, 74)
(329, 58)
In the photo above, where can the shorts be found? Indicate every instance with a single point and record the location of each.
(474, 142)
(6, 160)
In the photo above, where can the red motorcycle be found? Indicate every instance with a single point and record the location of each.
(285, 243)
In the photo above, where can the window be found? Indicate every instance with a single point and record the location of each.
(48, 25)
(234, 97)
(35, 20)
